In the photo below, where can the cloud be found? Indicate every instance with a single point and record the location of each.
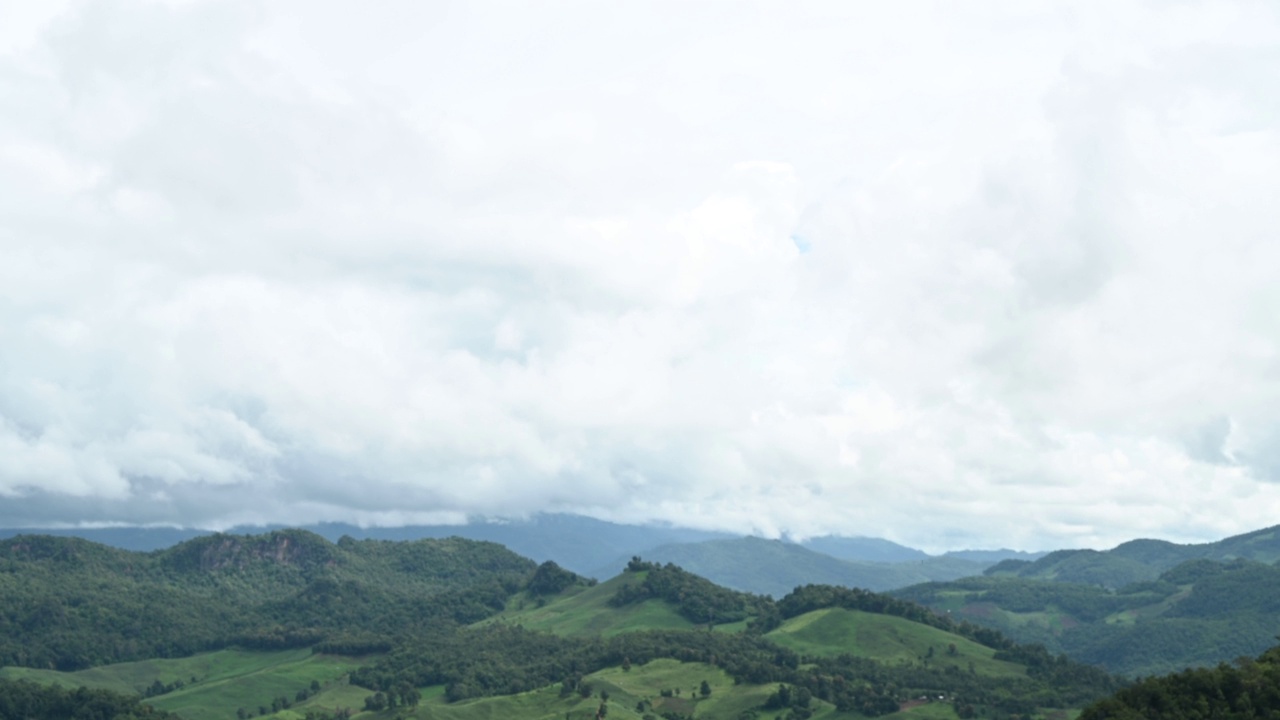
(948, 276)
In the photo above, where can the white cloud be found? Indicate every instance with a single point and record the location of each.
(952, 276)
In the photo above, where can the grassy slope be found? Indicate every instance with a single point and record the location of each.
(885, 638)
(726, 702)
(625, 688)
(225, 680)
(586, 611)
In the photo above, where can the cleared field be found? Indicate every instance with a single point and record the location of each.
(889, 639)
(643, 683)
(586, 611)
(215, 685)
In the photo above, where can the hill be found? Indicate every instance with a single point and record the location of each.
(1140, 560)
(1200, 612)
(574, 542)
(775, 567)
(456, 628)
(587, 611)
(1247, 690)
(889, 639)
(71, 604)
(862, 549)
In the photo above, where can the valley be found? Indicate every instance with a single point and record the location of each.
(289, 625)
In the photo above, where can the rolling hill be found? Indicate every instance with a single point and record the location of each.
(1140, 560)
(456, 628)
(1200, 612)
(775, 567)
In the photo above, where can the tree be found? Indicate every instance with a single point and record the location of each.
(705, 690)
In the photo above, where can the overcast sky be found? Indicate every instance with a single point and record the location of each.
(953, 274)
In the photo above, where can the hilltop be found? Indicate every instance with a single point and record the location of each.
(1199, 612)
(776, 567)
(458, 628)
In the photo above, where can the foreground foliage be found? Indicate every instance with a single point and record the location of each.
(68, 604)
(1199, 612)
(30, 701)
(1244, 691)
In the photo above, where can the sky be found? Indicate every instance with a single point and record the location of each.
(952, 274)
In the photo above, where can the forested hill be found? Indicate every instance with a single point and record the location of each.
(1200, 612)
(1140, 560)
(775, 567)
(1247, 690)
(68, 603)
(449, 614)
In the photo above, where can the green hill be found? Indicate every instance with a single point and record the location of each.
(1200, 612)
(1140, 560)
(1247, 690)
(775, 567)
(455, 628)
(887, 639)
(70, 604)
(587, 611)
(212, 686)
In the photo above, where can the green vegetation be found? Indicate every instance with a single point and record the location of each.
(587, 611)
(31, 701)
(1244, 691)
(266, 625)
(1197, 613)
(886, 638)
(775, 567)
(696, 599)
(70, 604)
(211, 686)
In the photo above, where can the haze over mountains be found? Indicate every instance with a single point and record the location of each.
(447, 626)
(596, 548)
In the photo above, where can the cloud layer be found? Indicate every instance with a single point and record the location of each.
(952, 276)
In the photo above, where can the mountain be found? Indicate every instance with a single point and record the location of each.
(69, 603)
(1247, 690)
(578, 543)
(1140, 560)
(1200, 612)
(992, 557)
(863, 549)
(288, 625)
(776, 567)
(141, 539)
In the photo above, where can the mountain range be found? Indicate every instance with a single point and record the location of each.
(596, 548)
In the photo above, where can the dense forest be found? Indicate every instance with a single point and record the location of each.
(501, 660)
(1198, 612)
(22, 700)
(69, 604)
(1245, 690)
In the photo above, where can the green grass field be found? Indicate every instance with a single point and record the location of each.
(232, 679)
(625, 688)
(586, 611)
(886, 638)
(224, 681)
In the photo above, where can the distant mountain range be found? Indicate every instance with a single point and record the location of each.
(600, 549)
(1139, 560)
(1144, 607)
(286, 623)
(774, 567)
